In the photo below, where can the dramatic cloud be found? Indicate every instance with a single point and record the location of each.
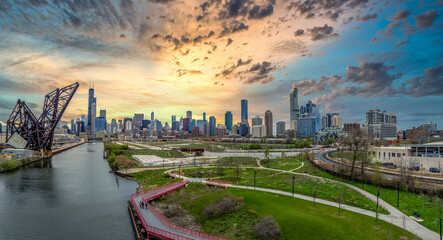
(322, 33)
(366, 17)
(430, 84)
(400, 43)
(426, 19)
(259, 73)
(400, 15)
(299, 32)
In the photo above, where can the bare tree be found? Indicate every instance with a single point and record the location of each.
(407, 165)
(357, 145)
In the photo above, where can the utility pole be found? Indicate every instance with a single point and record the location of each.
(293, 179)
(255, 173)
(440, 230)
(376, 211)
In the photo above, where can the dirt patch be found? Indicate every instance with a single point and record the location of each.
(177, 215)
(376, 227)
(403, 237)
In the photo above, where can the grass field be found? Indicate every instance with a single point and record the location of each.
(297, 219)
(286, 163)
(150, 179)
(238, 161)
(427, 207)
(283, 181)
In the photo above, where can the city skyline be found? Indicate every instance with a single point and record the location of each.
(139, 60)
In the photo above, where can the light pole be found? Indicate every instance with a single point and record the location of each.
(293, 179)
(376, 211)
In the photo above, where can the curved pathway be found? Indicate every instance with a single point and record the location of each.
(396, 217)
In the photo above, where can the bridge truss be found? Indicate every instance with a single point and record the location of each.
(39, 132)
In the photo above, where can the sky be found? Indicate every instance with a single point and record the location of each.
(170, 56)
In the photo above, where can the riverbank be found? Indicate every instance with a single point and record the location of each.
(14, 164)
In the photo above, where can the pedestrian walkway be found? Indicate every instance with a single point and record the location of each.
(155, 224)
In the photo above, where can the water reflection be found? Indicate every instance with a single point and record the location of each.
(71, 196)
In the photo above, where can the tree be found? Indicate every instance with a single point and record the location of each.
(267, 228)
(330, 141)
(357, 145)
(266, 152)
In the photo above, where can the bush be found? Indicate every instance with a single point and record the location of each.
(254, 146)
(227, 205)
(13, 164)
(267, 228)
(173, 210)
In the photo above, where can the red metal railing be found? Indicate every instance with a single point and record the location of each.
(154, 193)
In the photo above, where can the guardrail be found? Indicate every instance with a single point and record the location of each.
(154, 193)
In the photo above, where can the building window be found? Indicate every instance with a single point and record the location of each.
(398, 154)
(389, 156)
(384, 155)
(379, 157)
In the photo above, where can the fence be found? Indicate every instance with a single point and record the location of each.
(154, 193)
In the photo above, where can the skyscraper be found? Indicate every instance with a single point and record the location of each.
(72, 125)
(186, 124)
(1, 128)
(204, 117)
(281, 128)
(212, 126)
(137, 120)
(381, 124)
(244, 110)
(103, 113)
(294, 110)
(268, 124)
(173, 118)
(189, 114)
(228, 120)
(91, 115)
(152, 118)
(257, 120)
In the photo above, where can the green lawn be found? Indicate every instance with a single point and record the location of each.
(285, 163)
(299, 219)
(158, 153)
(283, 181)
(150, 179)
(427, 207)
(238, 161)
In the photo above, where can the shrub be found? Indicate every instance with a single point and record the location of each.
(227, 205)
(173, 210)
(267, 228)
(254, 146)
(13, 164)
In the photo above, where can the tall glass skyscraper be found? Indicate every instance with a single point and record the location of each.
(294, 110)
(91, 111)
(244, 109)
(228, 120)
(212, 125)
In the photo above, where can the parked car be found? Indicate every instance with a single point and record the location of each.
(389, 165)
(434, 170)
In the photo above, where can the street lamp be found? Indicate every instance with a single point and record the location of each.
(376, 211)
(293, 179)
(255, 173)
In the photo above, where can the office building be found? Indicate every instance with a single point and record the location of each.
(234, 130)
(212, 126)
(91, 111)
(228, 120)
(294, 110)
(243, 128)
(200, 124)
(306, 126)
(195, 131)
(145, 124)
(152, 118)
(72, 125)
(281, 128)
(221, 130)
(128, 124)
(257, 120)
(191, 125)
(176, 126)
(103, 113)
(173, 118)
(204, 117)
(100, 124)
(302, 110)
(429, 126)
(324, 122)
(189, 115)
(186, 124)
(381, 124)
(158, 128)
(84, 119)
(293, 125)
(269, 123)
(137, 121)
(329, 133)
(1, 128)
(258, 131)
(244, 110)
(125, 123)
(336, 122)
(352, 127)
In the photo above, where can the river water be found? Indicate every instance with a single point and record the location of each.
(71, 196)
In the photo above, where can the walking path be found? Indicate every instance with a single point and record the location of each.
(155, 224)
(396, 217)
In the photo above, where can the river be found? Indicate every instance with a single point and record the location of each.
(71, 196)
